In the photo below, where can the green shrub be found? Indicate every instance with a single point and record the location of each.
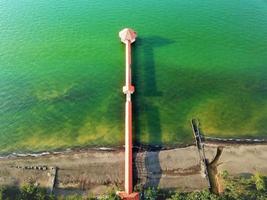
(224, 174)
(151, 193)
(32, 192)
(199, 195)
(259, 182)
(111, 195)
(9, 193)
(2, 192)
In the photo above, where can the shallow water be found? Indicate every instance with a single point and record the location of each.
(62, 71)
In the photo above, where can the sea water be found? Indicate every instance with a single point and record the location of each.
(62, 71)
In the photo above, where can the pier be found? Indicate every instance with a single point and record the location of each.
(128, 36)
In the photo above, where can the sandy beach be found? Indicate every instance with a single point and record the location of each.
(95, 171)
(240, 159)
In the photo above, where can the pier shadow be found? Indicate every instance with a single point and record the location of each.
(146, 114)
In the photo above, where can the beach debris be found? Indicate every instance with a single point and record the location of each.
(35, 167)
(200, 147)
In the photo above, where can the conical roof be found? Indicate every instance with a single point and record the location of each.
(127, 34)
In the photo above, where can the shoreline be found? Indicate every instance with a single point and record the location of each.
(92, 148)
(138, 148)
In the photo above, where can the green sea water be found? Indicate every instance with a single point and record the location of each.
(62, 71)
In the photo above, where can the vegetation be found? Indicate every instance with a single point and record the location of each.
(235, 188)
(33, 192)
(259, 182)
(27, 192)
(150, 194)
(251, 187)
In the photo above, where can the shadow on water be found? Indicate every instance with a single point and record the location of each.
(146, 115)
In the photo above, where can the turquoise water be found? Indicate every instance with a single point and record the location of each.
(62, 71)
